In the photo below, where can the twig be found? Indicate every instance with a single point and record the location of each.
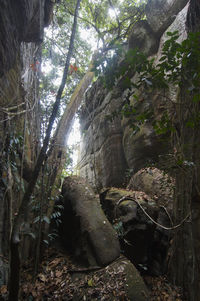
(13, 114)
(12, 108)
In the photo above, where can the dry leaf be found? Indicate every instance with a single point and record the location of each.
(3, 289)
(42, 277)
(59, 273)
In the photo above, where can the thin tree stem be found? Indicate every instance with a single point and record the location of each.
(15, 239)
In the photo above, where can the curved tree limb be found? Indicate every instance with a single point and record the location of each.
(57, 150)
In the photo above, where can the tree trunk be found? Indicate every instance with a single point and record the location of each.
(57, 153)
(185, 260)
(15, 237)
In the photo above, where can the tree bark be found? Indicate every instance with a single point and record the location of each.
(57, 153)
(185, 260)
(15, 237)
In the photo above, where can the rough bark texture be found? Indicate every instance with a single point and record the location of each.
(57, 152)
(185, 259)
(185, 264)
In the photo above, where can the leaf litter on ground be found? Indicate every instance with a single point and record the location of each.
(60, 279)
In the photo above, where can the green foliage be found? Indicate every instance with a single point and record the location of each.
(55, 216)
(119, 229)
(55, 48)
(164, 125)
(108, 21)
(41, 219)
(179, 66)
(68, 168)
(11, 160)
(111, 19)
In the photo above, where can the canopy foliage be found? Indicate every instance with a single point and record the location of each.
(102, 26)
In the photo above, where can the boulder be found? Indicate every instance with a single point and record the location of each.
(156, 183)
(135, 287)
(119, 280)
(142, 240)
(85, 229)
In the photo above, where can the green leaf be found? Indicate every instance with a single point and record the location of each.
(46, 219)
(148, 82)
(163, 58)
(126, 83)
(190, 124)
(46, 241)
(32, 235)
(90, 282)
(36, 220)
(196, 98)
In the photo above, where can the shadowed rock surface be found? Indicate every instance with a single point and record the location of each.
(85, 228)
(122, 274)
(21, 32)
(142, 241)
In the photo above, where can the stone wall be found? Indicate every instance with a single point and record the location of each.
(110, 150)
(21, 32)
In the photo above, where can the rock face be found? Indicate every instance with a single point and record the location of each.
(138, 39)
(21, 31)
(20, 21)
(102, 143)
(85, 229)
(111, 149)
(161, 13)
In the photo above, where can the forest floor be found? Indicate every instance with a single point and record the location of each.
(60, 279)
